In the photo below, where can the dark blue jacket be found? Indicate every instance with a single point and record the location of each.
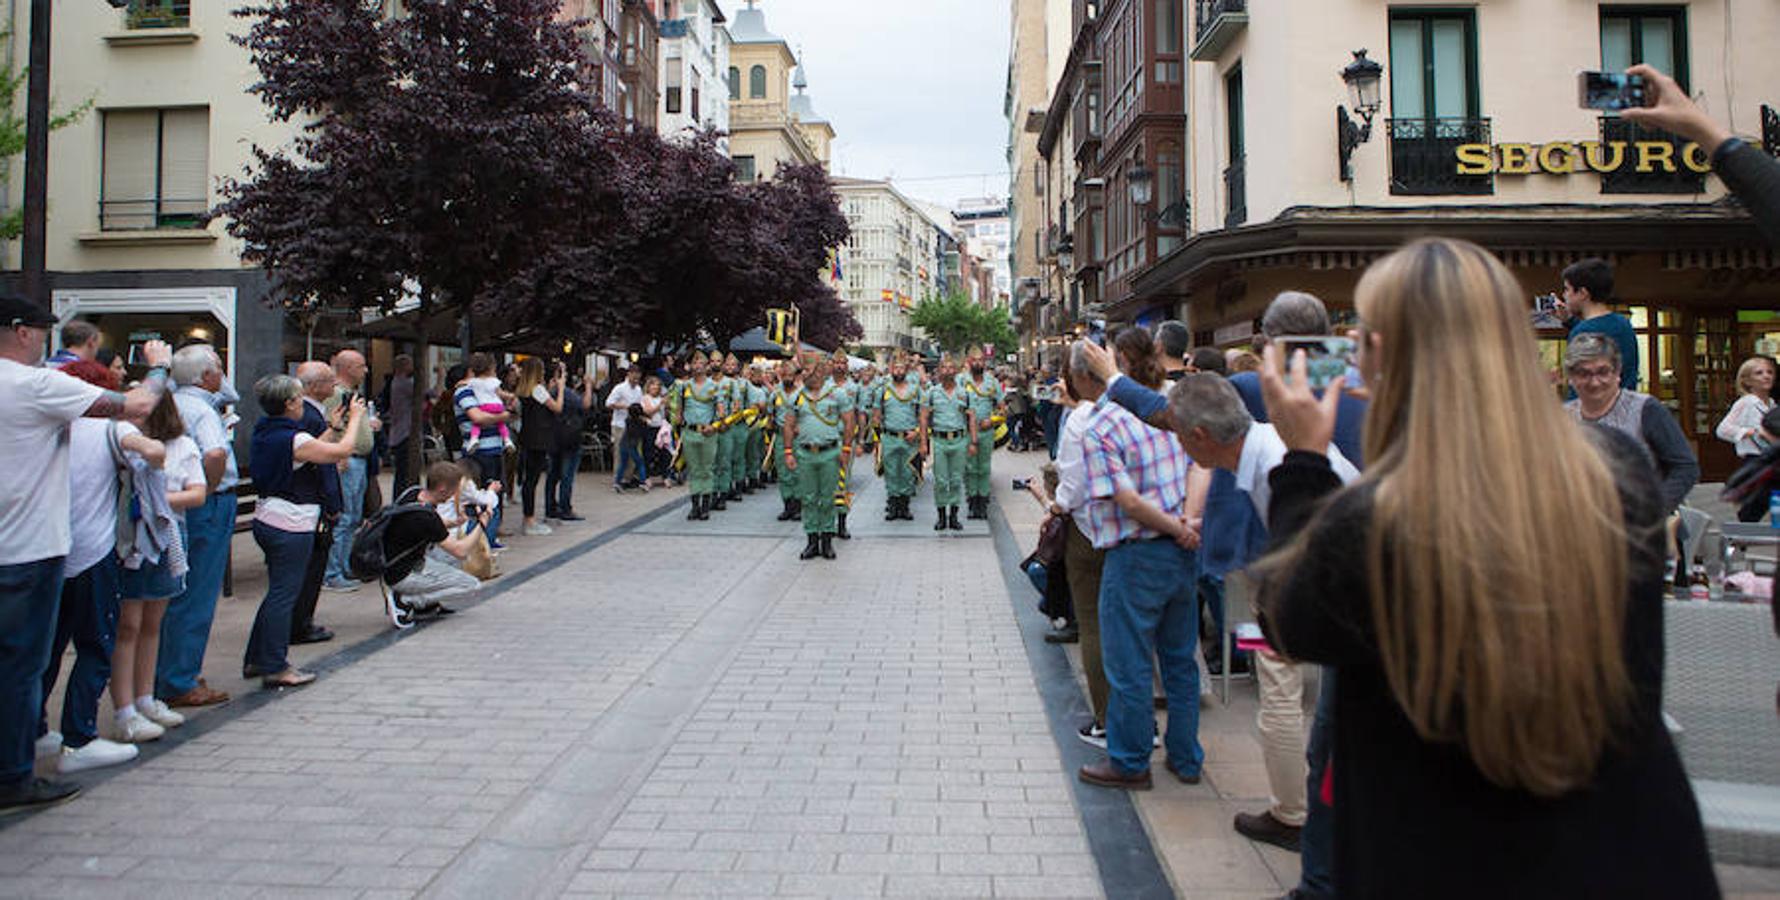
(332, 500)
(274, 469)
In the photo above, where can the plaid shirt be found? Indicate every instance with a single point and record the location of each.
(1122, 452)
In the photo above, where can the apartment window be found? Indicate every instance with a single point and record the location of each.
(757, 83)
(744, 168)
(672, 88)
(158, 14)
(1654, 35)
(156, 168)
(696, 111)
(1434, 101)
(1235, 177)
(1168, 30)
(735, 83)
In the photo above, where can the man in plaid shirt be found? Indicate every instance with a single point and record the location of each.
(1147, 594)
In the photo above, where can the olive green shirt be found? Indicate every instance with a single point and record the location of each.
(698, 402)
(947, 410)
(984, 397)
(902, 411)
(819, 416)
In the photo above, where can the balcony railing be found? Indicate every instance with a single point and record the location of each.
(1628, 180)
(1219, 22)
(158, 14)
(1424, 161)
(673, 28)
(147, 215)
(1236, 190)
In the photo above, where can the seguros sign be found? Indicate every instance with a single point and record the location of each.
(1566, 157)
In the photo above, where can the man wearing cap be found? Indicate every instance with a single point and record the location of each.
(815, 449)
(697, 407)
(783, 400)
(948, 437)
(986, 399)
(35, 524)
(841, 383)
(896, 416)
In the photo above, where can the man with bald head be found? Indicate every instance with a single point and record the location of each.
(318, 382)
(349, 377)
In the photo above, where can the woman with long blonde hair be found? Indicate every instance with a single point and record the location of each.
(1490, 593)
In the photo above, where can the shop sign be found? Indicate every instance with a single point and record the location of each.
(1566, 157)
(1240, 332)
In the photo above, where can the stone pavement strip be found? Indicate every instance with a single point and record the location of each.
(684, 709)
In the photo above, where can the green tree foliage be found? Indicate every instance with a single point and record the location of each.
(957, 322)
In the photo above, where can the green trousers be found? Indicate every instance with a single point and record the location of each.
(700, 453)
(788, 479)
(819, 473)
(899, 479)
(756, 450)
(721, 478)
(949, 462)
(976, 468)
(738, 455)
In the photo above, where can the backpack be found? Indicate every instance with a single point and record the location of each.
(367, 561)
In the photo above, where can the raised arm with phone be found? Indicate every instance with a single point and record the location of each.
(1750, 174)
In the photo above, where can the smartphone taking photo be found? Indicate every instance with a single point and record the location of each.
(1327, 357)
(1610, 91)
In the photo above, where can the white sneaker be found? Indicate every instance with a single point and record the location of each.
(538, 529)
(49, 745)
(158, 713)
(97, 754)
(137, 729)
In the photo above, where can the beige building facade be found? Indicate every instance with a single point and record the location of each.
(1028, 96)
(890, 264)
(769, 125)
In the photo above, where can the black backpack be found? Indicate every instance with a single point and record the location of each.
(367, 561)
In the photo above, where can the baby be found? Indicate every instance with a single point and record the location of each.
(488, 399)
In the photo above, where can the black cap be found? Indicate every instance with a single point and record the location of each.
(16, 311)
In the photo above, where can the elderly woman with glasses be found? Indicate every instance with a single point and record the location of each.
(1591, 363)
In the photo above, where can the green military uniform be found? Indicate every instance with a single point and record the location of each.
(846, 393)
(756, 442)
(737, 435)
(950, 436)
(781, 405)
(696, 405)
(899, 409)
(820, 422)
(870, 395)
(720, 481)
(984, 398)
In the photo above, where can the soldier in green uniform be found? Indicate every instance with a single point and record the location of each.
(815, 449)
(847, 393)
(696, 407)
(986, 399)
(949, 433)
(720, 480)
(756, 430)
(783, 398)
(738, 430)
(896, 416)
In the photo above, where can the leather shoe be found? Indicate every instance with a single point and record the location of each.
(1104, 775)
(1068, 635)
(315, 635)
(1265, 828)
(1194, 778)
(202, 695)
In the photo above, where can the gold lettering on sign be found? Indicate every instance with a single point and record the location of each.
(1650, 153)
(1591, 155)
(1558, 158)
(1694, 157)
(1517, 159)
(1475, 159)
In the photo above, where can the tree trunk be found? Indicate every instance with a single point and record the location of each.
(417, 403)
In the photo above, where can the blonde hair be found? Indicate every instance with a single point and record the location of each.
(1497, 562)
(1243, 361)
(531, 375)
(1746, 371)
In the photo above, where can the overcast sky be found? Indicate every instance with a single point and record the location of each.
(913, 88)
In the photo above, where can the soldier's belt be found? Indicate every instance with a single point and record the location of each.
(948, 435)
(820, 448)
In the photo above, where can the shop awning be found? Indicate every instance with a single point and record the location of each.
(488, 333)
(754, 341)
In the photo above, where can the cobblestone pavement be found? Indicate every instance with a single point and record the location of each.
(684, 708)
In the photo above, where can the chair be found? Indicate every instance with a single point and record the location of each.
(432, 450)
(596, 451)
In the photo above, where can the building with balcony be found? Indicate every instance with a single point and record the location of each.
(891, 263)
(1476, 134)
(694, 63)
(768, 125)
(985, 228)
(639, 65)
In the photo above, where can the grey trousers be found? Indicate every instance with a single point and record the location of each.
(437, 579)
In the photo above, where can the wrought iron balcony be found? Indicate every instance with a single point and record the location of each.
(673, 28)
(158, 14)
(1219, 22)
(1236, 193)
(150, 214)
(1424, 161)
(1628, 180)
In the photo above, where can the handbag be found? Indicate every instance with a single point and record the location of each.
(1051, 537)
(373, 499)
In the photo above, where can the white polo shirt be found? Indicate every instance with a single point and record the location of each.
(34, 513)
(1262, 452)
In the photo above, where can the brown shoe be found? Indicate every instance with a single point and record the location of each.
(202, 695)
(1104, 775)
(1265, 828)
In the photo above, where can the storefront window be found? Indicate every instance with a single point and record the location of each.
(127, 332)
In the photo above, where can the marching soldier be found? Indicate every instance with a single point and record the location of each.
(986, 399)
(756, 429)
(896, 417)
(848, 394)
(720, 475)
(737, 402)
(949, 436)
(695, 411)
(815, 450)
(784, 397)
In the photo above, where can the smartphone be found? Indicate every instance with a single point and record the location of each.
(1097, 331)
(1546, 303)
(1021, 484)
(1327, 357)
(1610, 91)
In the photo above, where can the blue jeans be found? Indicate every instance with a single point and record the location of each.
(1316, 843)
(287, 560)
(185, 631)
(559, 484)
(352, 493)
(28, 607)
(88, 619)
(1149, 604)
(630, 456)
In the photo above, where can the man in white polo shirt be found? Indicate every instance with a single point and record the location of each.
(624, 394)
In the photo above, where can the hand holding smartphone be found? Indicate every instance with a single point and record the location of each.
(1327, 357)
(1611, 91)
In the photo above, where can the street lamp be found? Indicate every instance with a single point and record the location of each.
(1362, 76)
(1142, 183)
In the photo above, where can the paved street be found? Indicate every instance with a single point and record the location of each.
(678, 708)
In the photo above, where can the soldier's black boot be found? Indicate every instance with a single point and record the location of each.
(902, 509)
(716, 502)
(841, 528)
(796, 508)
(786, 515)
(812, 548)
(976, 508)
(941, 524)
(953, 523)
(692, 514)
(735, 495)
(828, 546)
(890, 509)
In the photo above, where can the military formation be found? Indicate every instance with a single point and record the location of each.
(805, 422)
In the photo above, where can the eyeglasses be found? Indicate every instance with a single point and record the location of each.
(1597, 373)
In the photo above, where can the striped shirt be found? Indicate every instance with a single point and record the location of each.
(1120, 452)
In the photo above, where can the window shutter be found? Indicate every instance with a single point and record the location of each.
(127, 201)
(185, 165)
